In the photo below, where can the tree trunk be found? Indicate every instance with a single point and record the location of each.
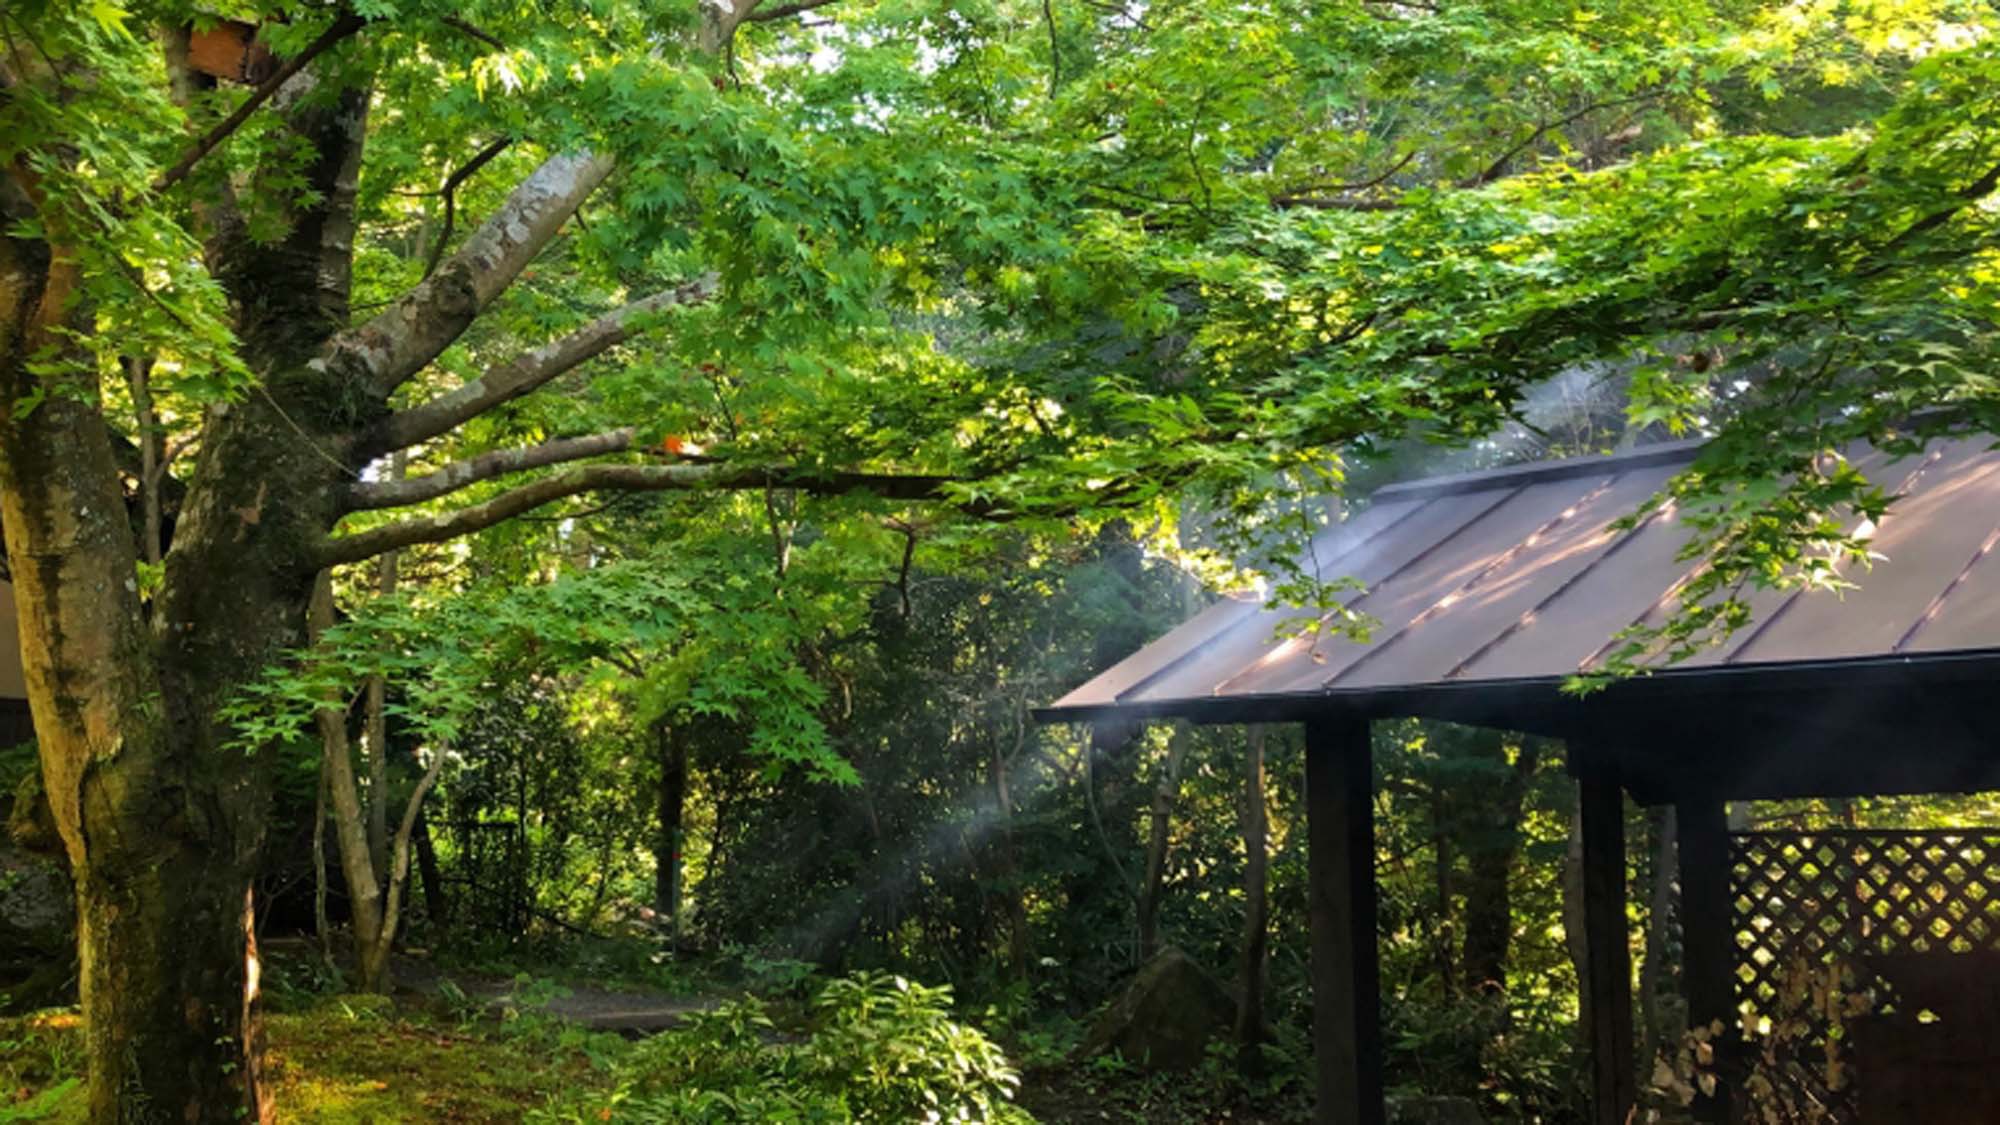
(322, 930)
(1574, 936)
(1256, 909)
(159, 843)
(378, 718)
(1158, 843)
(169, 968)
(1008, 865)
(1654, 970)
(1490, 852)
(672, 816)
(1443, 932)
(435, 904)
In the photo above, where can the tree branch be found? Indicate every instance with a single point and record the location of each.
(1334, 203)
(415, 490)
(785, 11)
(1498, 167)
(450, 192)
(524, 373)
(1317, 199)
(627, 478)
(346, 25)
(1357, 185)
(1967, 196)
(399, 341)
(467, 27)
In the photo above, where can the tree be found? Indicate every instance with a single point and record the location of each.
(1014, 263)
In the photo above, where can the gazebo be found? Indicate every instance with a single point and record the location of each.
(1489, 589)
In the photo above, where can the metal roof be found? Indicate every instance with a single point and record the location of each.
(1518, 577)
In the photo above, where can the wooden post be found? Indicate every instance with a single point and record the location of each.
(1607, 940)
(1708, 939)
(1347, 1008)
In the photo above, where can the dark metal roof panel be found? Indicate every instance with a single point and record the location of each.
(1184, 638)
(1227, 617)
(1519, 575)
(1924, 541)
(1408, 528)
(1460, 627)
(1447, 566)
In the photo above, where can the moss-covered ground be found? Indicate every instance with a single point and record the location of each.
(346, 1061)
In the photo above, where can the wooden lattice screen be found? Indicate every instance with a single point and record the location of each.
(1862, 898)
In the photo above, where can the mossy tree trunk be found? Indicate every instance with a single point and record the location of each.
(160, 811)
(160, 808)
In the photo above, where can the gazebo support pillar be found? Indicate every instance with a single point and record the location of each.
(1708, 945)
(1607, 944)
(1346, 981)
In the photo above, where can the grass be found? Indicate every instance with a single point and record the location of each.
(348, 1060)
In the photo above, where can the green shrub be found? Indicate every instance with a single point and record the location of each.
(881, 1048)
(890, 1048)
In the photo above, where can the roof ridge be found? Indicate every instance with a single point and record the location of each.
(1531, 472)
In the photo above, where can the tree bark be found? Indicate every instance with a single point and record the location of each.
(1256, 909)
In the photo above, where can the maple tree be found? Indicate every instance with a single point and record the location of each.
(1013, 262)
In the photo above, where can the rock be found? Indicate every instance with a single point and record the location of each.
(31, 824)
(1165, 1018)
(37, 912)
(1434, 1111)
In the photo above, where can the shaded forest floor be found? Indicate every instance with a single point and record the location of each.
(1075, 1095)
(463, 1043)
(625, 1011)
(349, 1060)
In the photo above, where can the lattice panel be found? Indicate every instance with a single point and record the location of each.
(1814, 898)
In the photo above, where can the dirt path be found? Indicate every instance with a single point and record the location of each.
(630, 1012)
(625, 1011)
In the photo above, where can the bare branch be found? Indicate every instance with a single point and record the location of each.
(450, 192)
(1335, 203)
(785, 11)
(524, 373)
(346, 25)
(1498, 167)
(397, 342)
(1055, 49)
(1357, 185)
(469, 28)
(627, 478)
(486, 466)
(1967, 195)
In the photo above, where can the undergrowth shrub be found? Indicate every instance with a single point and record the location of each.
(877, 1048)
